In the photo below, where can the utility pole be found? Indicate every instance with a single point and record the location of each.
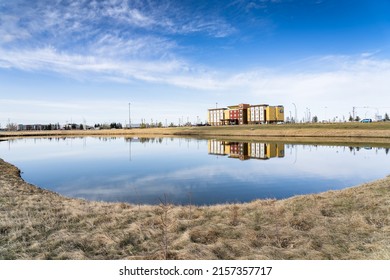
(295, 106)
(326, 113)
(129, 117)
(354, 110)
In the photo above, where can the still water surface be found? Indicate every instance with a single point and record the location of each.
(189, 171)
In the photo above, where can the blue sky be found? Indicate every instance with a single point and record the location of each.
(76, 61)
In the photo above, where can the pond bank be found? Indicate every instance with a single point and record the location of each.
(349, 224)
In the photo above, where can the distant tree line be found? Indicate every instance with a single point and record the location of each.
(147, 125)
(74, 126)
(112, 125)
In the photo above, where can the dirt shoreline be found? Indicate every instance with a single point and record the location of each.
(353, 223)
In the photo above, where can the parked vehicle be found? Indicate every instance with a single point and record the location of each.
(366, 120)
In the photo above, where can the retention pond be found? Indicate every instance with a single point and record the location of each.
(189, 171)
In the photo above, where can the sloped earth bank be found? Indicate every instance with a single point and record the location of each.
(349, 224)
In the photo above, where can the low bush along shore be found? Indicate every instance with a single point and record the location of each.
(349, 224)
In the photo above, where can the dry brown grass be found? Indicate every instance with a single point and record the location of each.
(37, 224)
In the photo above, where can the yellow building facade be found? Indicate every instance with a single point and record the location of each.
(216, 116)
(246, 114)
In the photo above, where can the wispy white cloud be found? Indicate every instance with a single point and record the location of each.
(369, 54)
(213, 26)
(150, 47)
(330, 75)
(171, 71)
(120, 40)
(50, 59)
(55, 21)
(10, 30)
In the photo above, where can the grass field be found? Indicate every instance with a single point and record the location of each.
(368, 130)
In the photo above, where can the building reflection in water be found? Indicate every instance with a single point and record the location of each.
(246, 150)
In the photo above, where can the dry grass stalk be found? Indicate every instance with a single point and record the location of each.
(234, 215)
(165, 224)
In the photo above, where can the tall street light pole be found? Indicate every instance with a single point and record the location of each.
(325, 113)
(295, 106)
(129, 117)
